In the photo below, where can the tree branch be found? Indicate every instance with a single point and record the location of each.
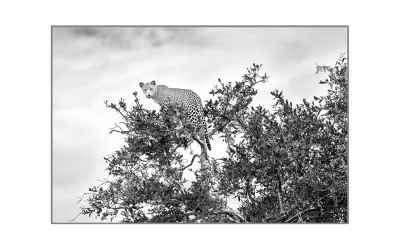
(233, 215)
(191, 162)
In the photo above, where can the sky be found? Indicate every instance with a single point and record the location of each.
(93, 64)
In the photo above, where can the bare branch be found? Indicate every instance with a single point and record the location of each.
(82, 197)
(191, 162)
(233, 215)
(118, 131)
(76, 216)
(198, 141)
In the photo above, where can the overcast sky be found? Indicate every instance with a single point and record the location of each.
(91, 65)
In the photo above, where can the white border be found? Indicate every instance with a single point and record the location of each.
(374, 125)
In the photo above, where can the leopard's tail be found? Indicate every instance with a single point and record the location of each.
(208, 142)
(206, 134)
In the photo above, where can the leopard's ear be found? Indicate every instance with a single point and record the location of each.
(141, 84)
(153, 82)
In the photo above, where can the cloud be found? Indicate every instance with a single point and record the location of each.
(136, 37)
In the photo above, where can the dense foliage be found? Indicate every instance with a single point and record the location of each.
(285, 164)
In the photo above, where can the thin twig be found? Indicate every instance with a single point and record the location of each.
(82, 197)
(191, 162)
(76, 216)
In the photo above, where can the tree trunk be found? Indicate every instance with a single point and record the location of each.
(279, 187)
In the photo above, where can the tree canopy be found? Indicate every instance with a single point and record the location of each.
(285, 164)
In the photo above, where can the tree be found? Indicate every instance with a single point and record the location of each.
(288, 164)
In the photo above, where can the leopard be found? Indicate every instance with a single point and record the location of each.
(186, 99)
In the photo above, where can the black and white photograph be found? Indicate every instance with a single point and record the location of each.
(200, 124)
